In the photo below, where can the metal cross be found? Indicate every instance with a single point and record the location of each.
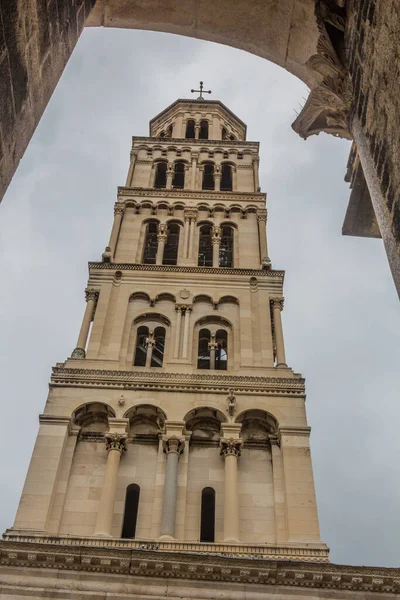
(201, 91)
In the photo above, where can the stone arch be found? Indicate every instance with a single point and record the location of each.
(257, 425)
(204, 423)
(92, 416)
(145, 420)
(139, 296)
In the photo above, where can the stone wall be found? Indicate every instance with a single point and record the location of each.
(373, 51)
(36, 41)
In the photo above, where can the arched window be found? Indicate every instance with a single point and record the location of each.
(203, 355)
(141, 346)
(208, 176)
(232, 137)
(169, 131)
(150, 243)
(189, 130)
(221, 351)
(178, 181)
(203, 135)
(226, 178)
(207, 527)
(172, 245)
(161, 174)
(205, 247)
(224, 133)
(226, 247)
(157, 355)
(131, 511)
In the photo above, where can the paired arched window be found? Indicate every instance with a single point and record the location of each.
(207, 525)
(160, 180)
(208, 177)
(178, 181)
(226, 178)
(170, 256)
(153, 339)
(203, 134)
(131, 511)
(190, 130)
(226, 247)
(213, 350)
(150, 243)
(205, 258)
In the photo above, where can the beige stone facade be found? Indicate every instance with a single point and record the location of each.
(179, 381)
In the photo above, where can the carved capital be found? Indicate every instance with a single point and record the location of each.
(91, 294)
(216, 235)
(277, 303)
(115, 441)
(230, 447)
(78, 353)
(190, 213)
(119, 210)
(262, 214)
(173, 444)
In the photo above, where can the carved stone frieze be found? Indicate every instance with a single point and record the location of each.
(190, 194)
(182, 381)
(178, 269)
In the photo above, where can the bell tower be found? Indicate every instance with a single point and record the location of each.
(176, 423)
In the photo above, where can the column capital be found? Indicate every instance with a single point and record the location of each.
(91, 294)
(119, 209)
(274, 439)
(277, 303)
(256, 159)
(173, 444)
(262, 214)
(115, 441)
(190, 213)
(216, 234)
(231, 446)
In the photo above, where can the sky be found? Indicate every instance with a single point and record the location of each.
(341, 318)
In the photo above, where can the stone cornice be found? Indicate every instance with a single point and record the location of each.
(210, 562)
(178, 381)
(176, 269)
(192, 142)
(197, 195)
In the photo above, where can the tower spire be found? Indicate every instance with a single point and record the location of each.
(201, 91)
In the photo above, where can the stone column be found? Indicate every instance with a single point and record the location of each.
(196, 131)
(277, 307)
(170, 176)
(118, 214)
(188, 310)
(131, 168)
(149, 349)
(193, 217)
(115, 445)
(195, 157)
(173, 448)
(230, 450)
(178, 310)
(152, 175)
(91, 300)
(187, 182)
(161, 239)
(279, 490)
(213, 347)
(262, 237)
(217, 179)
(256, 162)
(216, 242)
(186, 234)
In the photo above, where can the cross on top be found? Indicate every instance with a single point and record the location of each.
(201, 91)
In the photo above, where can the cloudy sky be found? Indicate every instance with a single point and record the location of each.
(341, 316)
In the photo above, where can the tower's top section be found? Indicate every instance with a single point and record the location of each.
(201, 119)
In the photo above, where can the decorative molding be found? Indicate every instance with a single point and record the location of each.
(192, 194)
(178, 269)
(328, 105)
(183, 381)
